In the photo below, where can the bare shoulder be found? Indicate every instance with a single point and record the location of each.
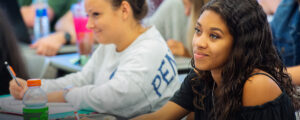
(260, 89)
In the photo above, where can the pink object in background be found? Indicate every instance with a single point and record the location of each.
(80, 25)
(84, 36)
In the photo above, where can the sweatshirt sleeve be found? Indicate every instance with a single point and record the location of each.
(81, 78)
(118, 97)
(122, 95)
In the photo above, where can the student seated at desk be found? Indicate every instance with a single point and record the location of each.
(237, 74)
(132, 72)
(10, 53)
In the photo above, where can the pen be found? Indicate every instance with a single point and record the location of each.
(12, 73)
(76, 116)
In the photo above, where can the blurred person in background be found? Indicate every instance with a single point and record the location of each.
(285, 28)
(56, 9)
(50, 44)
(175, 20)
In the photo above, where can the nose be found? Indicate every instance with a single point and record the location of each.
(200, 41)
(90, 25)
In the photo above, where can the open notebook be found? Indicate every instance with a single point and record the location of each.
(9, 105)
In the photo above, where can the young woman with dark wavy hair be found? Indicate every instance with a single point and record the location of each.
(237, 74)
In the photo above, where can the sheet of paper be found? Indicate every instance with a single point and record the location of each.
(10, 105)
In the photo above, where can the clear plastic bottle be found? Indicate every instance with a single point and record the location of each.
(41, 22)
(35, 101)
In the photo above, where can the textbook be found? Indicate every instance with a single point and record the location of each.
(10, 105)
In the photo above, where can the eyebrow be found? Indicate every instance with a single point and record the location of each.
(216, 29)
(198, 24)
(212, 28)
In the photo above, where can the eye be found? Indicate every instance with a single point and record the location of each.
(95, 14)
(214, 36)
(197, 31)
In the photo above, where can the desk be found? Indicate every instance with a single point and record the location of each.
(63, 62)
(62, 116)
(183, 64)
(4, 116)
(63, 50)
(37, 65)
(69, 114)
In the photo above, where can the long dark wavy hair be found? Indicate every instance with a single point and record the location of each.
(9, 51)
(252, 49)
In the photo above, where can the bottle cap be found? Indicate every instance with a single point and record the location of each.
(33, 82)
(41, 12)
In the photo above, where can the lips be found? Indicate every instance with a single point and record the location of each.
(97, 31)
(200, 55)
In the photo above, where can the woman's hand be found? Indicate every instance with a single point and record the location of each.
(49, 45)
(18, 91)
(177, 48)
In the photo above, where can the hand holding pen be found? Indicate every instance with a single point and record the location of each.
(12, 73)
(17, 86)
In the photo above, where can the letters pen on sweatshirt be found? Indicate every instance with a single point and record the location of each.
(12, 73)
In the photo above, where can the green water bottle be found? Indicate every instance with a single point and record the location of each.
(35, 101)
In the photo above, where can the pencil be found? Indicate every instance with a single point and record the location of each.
(12, 73)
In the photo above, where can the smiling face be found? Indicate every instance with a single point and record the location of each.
(212, 42)
(104, 20)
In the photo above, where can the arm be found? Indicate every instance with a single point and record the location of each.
(170, 111)
(50, 45)
(83, 77)
(191, 116)
(18, 91)
(78, 79)
(264, 95)
(115, 96)
(179, 105)
(269, 6)
(294, 73)
(178, 48)
(259, 89)
(57, 96)
(65, 24)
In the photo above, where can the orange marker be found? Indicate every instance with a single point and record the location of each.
(12, 73)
